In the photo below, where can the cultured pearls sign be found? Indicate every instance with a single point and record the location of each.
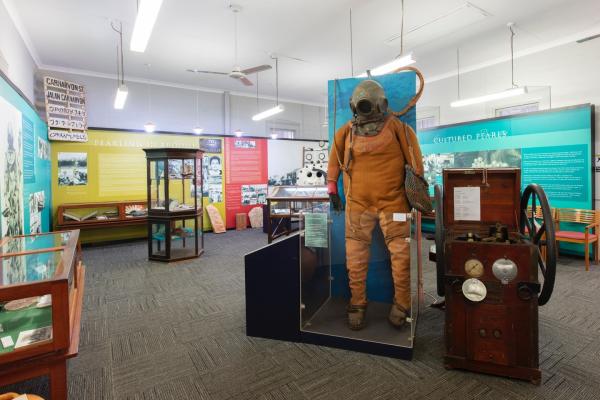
(65, 110)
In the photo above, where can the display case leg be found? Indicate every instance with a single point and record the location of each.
(58, 381)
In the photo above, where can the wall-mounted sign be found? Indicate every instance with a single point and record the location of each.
(66, 136)
(210, 145)
(65, 110)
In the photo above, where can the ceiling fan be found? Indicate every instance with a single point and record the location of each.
(236, 72)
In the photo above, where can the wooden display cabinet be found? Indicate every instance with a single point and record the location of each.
(41, 291)
(101, 215)
(174, 178)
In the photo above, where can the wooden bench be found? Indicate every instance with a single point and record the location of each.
(591, 221)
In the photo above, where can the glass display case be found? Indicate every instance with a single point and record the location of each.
(286, 203)
(41, 283)
(174, 204)
(324, 286)
(90, 215)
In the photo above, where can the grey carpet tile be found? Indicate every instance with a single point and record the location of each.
(177, 331)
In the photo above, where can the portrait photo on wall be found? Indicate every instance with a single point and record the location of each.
(11, 171)
(212, 177)
(72, 169)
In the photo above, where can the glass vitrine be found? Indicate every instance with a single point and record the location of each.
(174, 204)
(173, 175)
(325, 293)
(286, 203)
(40, 292)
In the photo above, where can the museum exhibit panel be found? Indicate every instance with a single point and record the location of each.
(41, 294)
(174, 204)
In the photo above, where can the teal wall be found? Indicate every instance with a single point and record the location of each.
(35, 176)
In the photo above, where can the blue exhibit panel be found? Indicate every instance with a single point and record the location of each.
(399, 89)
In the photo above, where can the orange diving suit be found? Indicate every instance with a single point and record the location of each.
(370, 150)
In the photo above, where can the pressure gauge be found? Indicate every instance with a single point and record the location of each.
(474, 290)
(474, 268)
(505, 270)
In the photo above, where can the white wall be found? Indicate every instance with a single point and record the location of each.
(174, 109)
(572, 71)
(16, 62)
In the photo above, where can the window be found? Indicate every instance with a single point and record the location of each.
(281, 133)
(426, 122)
(519, 109)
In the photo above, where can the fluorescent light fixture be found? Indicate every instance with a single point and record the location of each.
(269, 113)
(517, 91)
(144, 22)
(197, 130)
(149, 127)
(273, 136)
(121, 97)
(238, 133)
(391, 66)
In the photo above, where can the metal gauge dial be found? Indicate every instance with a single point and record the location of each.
(505, 270)
(474, 268)
(474, 289)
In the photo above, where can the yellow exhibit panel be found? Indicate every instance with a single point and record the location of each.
(111, 166)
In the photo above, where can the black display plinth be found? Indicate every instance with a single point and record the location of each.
(273, 308)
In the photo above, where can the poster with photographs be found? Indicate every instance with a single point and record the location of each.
(43, 149)
(11, 170)
(254, 194)
(36, 206)
(212, 177)
(72, 169)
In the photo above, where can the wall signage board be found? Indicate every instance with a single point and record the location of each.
(553, 149)
(211, 145)
(245, 165)
(65, 110)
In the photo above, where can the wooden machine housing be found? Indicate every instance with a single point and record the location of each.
(498, 335)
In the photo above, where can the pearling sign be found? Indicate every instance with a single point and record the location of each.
(65, 110)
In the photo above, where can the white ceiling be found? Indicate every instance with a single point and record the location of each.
(76, 34)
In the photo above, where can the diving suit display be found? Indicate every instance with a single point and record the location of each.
(370, 152)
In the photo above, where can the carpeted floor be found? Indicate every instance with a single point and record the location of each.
(157, 331)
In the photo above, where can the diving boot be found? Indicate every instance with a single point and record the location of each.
(397, 315)
(356, 317)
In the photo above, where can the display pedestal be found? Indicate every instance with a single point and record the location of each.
(274, 311)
